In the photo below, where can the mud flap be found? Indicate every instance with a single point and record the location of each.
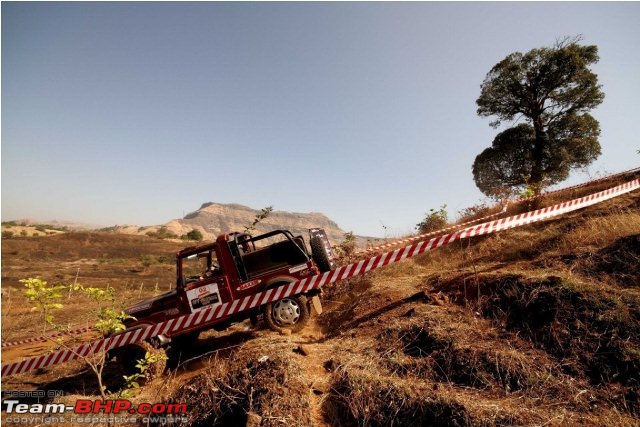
(316, 304)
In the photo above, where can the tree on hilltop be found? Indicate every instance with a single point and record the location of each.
(551, 89)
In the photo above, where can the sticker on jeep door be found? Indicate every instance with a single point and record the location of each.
(250, 284)
(204, 297)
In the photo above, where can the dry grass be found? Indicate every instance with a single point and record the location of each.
(263, 378)
(136, 267)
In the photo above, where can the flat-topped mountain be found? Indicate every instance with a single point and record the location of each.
(213, 219)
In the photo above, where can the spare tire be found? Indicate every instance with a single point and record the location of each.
(319, 254)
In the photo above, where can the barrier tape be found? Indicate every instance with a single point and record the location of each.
(309, 283)
(48, 338)
(573, 187)
(504, 210)
(431, 233)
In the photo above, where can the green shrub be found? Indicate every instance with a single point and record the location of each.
(44, 297)
(162, 233)
(433, 220)
(476, 211)
(348, 246)
(527, 192)
(193, 235)
(147, 260)
(165, 260)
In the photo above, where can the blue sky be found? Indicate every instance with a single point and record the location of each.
(136, 113)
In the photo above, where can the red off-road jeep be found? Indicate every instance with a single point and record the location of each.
(236, 265)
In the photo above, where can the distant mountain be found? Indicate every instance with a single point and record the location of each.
(213, 219)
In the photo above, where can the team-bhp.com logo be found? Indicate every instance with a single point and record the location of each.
(87, 409)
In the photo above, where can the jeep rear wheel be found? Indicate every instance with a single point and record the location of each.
(290, 313)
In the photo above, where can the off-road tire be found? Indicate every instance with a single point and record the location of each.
(297, 303)
(128, 356)
(319, 254)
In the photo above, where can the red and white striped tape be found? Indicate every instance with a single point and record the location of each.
(504, 210)
(48, 338)
(313, 282)
(431, 233)
(573, 187)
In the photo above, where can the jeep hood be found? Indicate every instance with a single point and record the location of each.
(149, 303)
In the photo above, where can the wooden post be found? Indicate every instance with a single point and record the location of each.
(74, 283)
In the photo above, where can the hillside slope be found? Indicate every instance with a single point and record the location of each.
(539, 325)
(534, 326)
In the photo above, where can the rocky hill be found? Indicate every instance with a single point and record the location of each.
(215, 218)
(212, 219)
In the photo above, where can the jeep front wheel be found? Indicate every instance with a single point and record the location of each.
(290, 313)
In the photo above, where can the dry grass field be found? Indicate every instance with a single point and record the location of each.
(539, 325)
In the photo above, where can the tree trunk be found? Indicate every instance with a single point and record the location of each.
(535, 182)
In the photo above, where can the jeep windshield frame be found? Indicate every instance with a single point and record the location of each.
(190, 252)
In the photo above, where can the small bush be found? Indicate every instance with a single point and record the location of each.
(348, 246)
(272, 387)
(162, 233)
(474, 212)
(146, 260)
(193, 235)
(433, 220)
(165, 260)
(44, 298)
(7, 234)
